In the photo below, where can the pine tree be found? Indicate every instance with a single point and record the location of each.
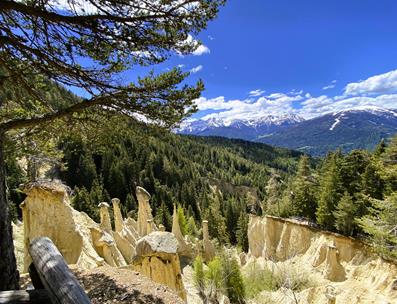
(192, 227)
(329, 192)
(242, 231)
(216, 221)
(380, 148)
(344, 214)
(380, 225)
(163, 217)
(82, 201)
(182, 220)
(389, 159)
(373, 185)
(303, 198)
(234, 283)
(273, 195)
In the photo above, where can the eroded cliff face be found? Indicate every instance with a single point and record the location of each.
(47, 212)
(343, 269)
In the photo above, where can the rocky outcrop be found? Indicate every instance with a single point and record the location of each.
(157, 258)
(46, 211)
(344, 269)
(334, 271)
(281, 239)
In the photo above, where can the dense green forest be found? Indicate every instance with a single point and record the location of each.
(214, 178)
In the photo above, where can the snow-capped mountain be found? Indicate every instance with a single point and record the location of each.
(356, 128)
(248, 129)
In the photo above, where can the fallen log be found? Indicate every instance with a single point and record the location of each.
(60, 283)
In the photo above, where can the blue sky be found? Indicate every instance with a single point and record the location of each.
(307, 57)
(315, 48)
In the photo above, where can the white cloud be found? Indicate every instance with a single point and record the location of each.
(323, 104)
(378, 84)
(278, 104)
(201, 50)
(218, 103)
(330, 86)
(247, 109)
(196, 69)
(256, 93)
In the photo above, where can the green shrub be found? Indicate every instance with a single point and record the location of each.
(291, 277)
(257, 279)
(233, 280)
(199, 276)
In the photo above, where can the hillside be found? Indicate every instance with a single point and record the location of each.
(347, 130)
(176, 169)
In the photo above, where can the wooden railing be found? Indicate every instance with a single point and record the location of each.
(53, 280)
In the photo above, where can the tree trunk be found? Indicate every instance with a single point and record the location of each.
(9, 275)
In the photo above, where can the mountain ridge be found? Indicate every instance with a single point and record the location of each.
(355, 128)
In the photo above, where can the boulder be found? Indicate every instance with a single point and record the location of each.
(157, 258)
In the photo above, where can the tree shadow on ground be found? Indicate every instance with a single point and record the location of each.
(102, 288)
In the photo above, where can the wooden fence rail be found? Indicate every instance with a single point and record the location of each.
(61, 286)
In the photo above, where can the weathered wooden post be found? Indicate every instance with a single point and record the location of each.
(60, 283)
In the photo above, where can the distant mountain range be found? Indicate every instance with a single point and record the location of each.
(358, 128)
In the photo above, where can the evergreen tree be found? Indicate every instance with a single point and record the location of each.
(273, 195)
(373, 185)
(234, 283)
(380, 225)
(389, 159)
(329, 192)
(352, 169)
(380, 148)
(182, 220)
(303, 197)
(81, 201)
(163, 217)
(191, 227)
(242, 232)
(216, 221)
(345, 215)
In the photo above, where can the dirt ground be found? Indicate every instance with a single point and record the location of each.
(105, 285)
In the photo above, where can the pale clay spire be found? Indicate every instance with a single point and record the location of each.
(118, 218)
(105, 217)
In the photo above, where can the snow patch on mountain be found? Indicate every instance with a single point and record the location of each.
(198, 125)
(368, 108)
(337, 121)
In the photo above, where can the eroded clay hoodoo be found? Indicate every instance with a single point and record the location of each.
(157, 258)
(46, 211)
(144, 211)
(105, 217)
(334, 271)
